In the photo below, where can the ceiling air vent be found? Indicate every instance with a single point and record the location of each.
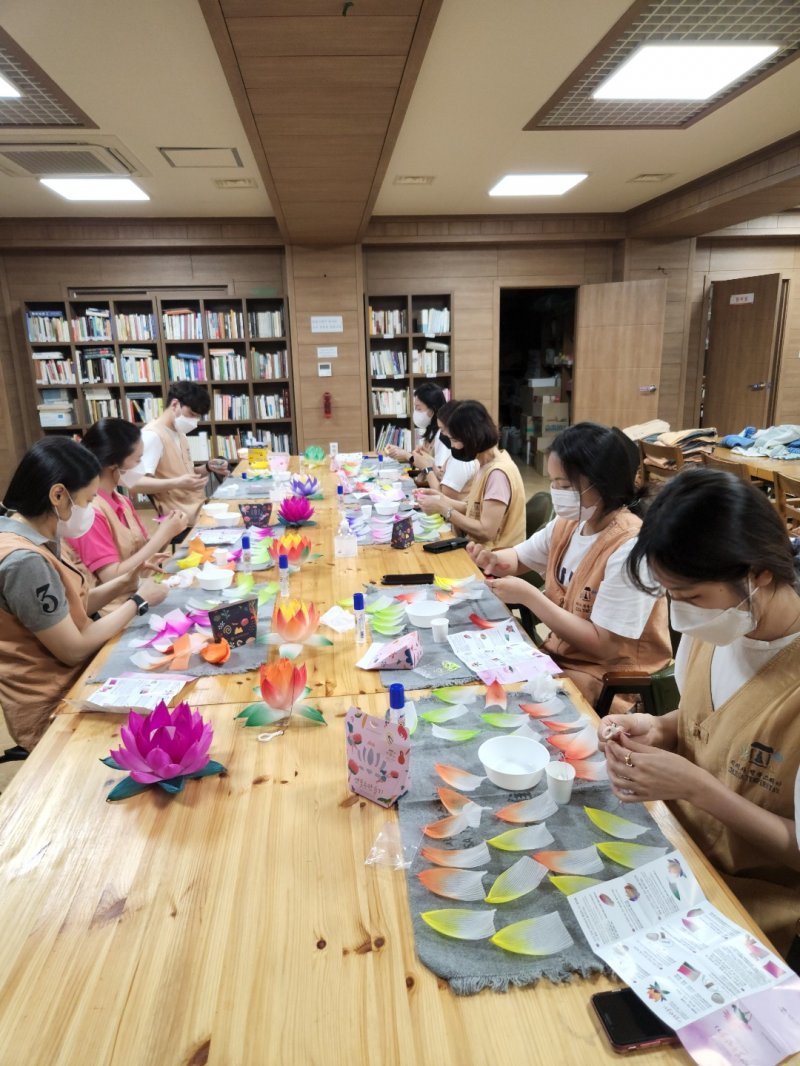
(236, 183)
(650, 179)
(62, 160)
(414, 179)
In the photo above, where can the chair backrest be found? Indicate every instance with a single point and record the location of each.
(787, 499)
(659, 461)
(538, 512)
(713, 462)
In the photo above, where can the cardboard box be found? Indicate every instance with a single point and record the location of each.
(539, 463)
(543, 443)
(544, 385)
(55, 419)
(550, 410)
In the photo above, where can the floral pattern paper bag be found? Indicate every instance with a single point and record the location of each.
(378, 752)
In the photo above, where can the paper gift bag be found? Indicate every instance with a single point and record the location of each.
(256, 514)
(378, 751)
(403, 533)
(235, 622)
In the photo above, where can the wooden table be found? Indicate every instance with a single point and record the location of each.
(760, 466)
(236, 924)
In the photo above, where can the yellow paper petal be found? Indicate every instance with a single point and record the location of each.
(192, 559)
(518, 880)
(532, 836)
(569, 883)
(461, 924)
(535, 936)
(630, 855)
(614, 825)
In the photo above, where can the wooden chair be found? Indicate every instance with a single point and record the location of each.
(713, 462)
(658, 692)
(659, 462)
(787, 500)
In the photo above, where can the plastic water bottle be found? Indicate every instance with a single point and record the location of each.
(345, 544)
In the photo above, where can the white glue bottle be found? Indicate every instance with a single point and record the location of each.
(283, 575)
(361, 617)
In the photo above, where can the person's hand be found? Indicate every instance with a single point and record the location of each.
(155, 564)
(429, 501)
(642, 727)
(639, 773)
(394, 452)
(195, 482)
(422, 459)
(509, 589)
(488, 561)
(153, 592)
(174, 523)
(218, 466)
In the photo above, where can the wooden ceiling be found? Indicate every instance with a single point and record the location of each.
(321, 87)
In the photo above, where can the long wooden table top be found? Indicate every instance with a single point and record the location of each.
(760, 466)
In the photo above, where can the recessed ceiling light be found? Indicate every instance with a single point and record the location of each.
(7, 90)
(95, 188)
(681, 71)
(536, 184)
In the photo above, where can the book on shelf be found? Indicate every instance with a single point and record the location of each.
(391, 434)
(181, 324)
(385, 363)
(227, 364)
(139, 365)
(432, 359)
(272, 404)
(54, 368)
(278, 442)
(198, 446)
(135, 327)
(56, 414)
(47, 326)
(101, 404)
(56, 396)
(228, 446)
(265, 323)
(229, 408)
(387, 323)
(390, 402)
(224, 325)
(432, 320)
(270, 365)
(93, 325)
(97, 364)
(143, 406)
(186, 366)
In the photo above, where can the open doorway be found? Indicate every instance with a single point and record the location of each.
(537, 342)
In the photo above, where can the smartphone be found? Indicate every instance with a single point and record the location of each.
(449, 545)
(407, 579)
(628, 1023)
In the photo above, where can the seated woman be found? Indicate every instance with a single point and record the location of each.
(494, 511)
(428, 398)
(451, 477)
(46, 633)
(729, 756)
(117, 543)
(598, 620)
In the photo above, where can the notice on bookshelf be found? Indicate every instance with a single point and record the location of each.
(327, 323)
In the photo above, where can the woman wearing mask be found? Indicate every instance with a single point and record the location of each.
(494, 511)
(117, 543)
(428, 398)
(452, 477)
(729, 756)
(46, 633)
(598, 620)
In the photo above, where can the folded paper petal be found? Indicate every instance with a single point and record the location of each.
(546, 935)
(518, 880)
(439, 715)
(531, 836)
(461, 924)
(457, 736)
(614, 825)
(578, 861)
(501, 720)
(536, 710)
(561, 727)
(569, 883)
(446, 827)
(532, 810)
(456, 694)
(466, 885)
(496, 696)
(483, 623)
(217, 652)
(456, 777)
(630, 855)
(461, 858)
(453, 802)
(576, 745)
(592, 769)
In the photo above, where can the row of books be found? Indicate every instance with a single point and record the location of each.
(54, 368)
(272, 404)
(432, 320)
(221, 325)
(266, 323)
(186, 366)
(94, 324)
(136, 327)
(97, 364)
(270, 365)
(385, 363)
(199, 446)
(47, 327)
(278, 442)
(181, 324)
(143, 406)
(387, 323)
(101, 404)
(231, 408)
(391, 434)
(433, 359)
(227, 364)
(390, 402)
(139, 365)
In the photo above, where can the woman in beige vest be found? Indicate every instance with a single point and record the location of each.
(118, 543)
(729, 756)
(47, 634)
(598, 620)
(494, 511)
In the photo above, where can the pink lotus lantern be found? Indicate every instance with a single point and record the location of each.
(163, 748)
(295, 546)
(304, 486)
(295, 511)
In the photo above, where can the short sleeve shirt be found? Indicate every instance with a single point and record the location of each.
(30, 588)
(97, 548)
(153, 450)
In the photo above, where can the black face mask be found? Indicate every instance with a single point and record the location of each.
(444, 439)
(462, 455)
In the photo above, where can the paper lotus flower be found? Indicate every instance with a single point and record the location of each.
(162, 748)
(314, 454)
(294, 620)
(295, 546)
(295, 511)
(304, 486)
(283, 685)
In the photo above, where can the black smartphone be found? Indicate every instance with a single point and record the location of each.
(407, 579)
(628, 1023)
(449, 545)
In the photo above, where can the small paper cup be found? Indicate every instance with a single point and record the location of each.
(366, 510)
(439, 627)
(221, 556)
(560, 779)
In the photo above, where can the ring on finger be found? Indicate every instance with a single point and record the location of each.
(628, 759)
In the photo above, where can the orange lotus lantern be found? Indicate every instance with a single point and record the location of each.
(282, 684)
(294, 620)
(295, 546)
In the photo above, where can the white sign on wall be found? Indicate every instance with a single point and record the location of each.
(327, 324)
(743, 298)
(327, 352)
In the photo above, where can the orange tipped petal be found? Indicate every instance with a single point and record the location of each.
(216, 653)
(446, 827)
(576, 745)
(536, 710)
(452, 801)
(496, 695)
(458, 778)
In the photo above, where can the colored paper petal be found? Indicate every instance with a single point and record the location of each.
(465, 885)
(456, 694)
(518, 880)
(462, 858)
(190, 561)
(216, 653)
(124, 789)
(532, 836)
(496, 696)
(593, 769)
(576, 745)
(561, 727)
(458, 778)
(447, 827)
(482, 623)
(444, 714)
(457, 736)
(569, 883)
(546, 935)
(504, 721)
(537, 710)
(245, 583)
(630, 855)
(461, 924)
(261, 714)
(614, 825)
(453, 802)
(532, 810)
(312, 714)
(453, 582)
(578, 861)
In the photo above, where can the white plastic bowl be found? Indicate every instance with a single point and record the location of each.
(423, 613)
(214, 580)
(385, 508)
(514, 763)
(229, 518)
(215, 509)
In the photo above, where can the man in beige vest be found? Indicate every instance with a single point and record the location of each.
(170, 476)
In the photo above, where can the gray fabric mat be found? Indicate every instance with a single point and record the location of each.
(472, 965)
(249, 657)
(245, 489)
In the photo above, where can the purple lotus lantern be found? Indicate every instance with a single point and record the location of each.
(304, 486)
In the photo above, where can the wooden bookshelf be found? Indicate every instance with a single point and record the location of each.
(116, 356)
(409, 340)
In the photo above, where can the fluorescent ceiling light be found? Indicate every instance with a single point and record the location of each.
(681, 71)
(535, 184)
(7, 90)
(95, 188)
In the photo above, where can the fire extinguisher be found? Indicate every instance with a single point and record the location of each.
(327, 404)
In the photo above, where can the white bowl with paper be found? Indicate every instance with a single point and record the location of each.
(423, 612)
(213, 579)
(514, 763)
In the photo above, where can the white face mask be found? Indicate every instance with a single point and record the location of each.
(567, 504)
(711, 624)
(132, 477)
(186, 425)
(421, 419)
(80, 521)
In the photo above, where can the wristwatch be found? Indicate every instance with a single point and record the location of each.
(142, 606)
(426, 470)
(447, 515)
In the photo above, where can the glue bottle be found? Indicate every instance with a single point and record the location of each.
(361, 617)
(283, 575)
(246, 558)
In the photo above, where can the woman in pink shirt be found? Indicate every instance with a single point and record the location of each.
(118, 542)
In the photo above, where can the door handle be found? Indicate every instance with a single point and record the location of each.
(647, 390)
(758, 386)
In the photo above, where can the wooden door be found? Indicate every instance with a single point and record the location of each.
(740, 359)
(619, 335)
